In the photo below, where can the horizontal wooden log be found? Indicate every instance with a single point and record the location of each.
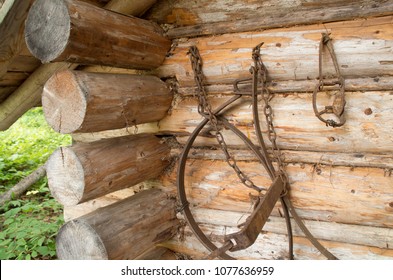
(76, 211)
(12, 79)
(75, 101)
(344, 233)
(190, 19)
(12, 23)
(135, 7)
(273, 246)
(363, 49)
(73, 31)
(368, 128)
(363, 141)
(383, 83)
(299, 157)
(90, 170)
(152, 128)
(28, 94)
(347, 234)
(5, 92)
(123, 230)
(24, 63)
(361, 196)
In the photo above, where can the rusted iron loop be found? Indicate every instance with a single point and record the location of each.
(338, 106)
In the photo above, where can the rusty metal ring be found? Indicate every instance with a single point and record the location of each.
(181, 173)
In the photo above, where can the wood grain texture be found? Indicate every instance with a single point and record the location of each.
(272, 246)
(76, 101)
(12, 79)
(349, 241)
(135, 7)
(12, 23)
(123, 230)
(361, 196)
(363, 48)
(83, 171)
(299, 157)
(379, 237)
(188, 18)
(368, 129)
(76, 211)
(296, 125)
(29, 93)
(24, 63)
(380, 83)
(55, 31)
(5, 92)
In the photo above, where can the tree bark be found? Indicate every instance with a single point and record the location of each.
(89, 170)
(73, 31)
(76, 101)
(124, 230)
(23, 185)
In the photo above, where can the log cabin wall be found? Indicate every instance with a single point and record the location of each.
(341, 178)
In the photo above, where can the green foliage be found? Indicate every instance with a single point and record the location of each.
(29, 224)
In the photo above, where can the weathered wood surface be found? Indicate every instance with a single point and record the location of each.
(24, 63)
(380, 83)
(12, 79)
(135, 7)
(29, 93)
(362, 196)
(363, 48)
(55, 31)
(12, 23)
(300, 157)
(158, 253)
(188, 18)
(5, 92)
(354, 240)
(344, 233)
(123, 230)
(76, 211)
(368, 128)
(76, 101)
(89, 170)
(273, 246)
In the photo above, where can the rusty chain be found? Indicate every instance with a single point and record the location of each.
(204, 109)
(259, 73)
(254, 223)
(338, 106)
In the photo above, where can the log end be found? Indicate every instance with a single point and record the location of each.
(65, 176)
(77, 240)
(64, 102)
(47, 29)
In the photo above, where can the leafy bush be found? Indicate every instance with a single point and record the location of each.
(29, 224)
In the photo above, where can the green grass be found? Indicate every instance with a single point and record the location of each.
(28, 224)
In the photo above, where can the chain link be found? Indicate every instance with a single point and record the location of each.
(261, 77)
(205, 109)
